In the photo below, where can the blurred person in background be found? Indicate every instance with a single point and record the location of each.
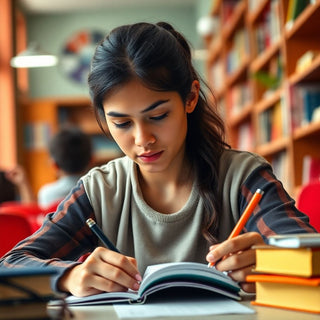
(71, 153)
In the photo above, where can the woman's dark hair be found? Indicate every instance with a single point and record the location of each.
(160, 57)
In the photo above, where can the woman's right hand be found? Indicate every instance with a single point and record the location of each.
(102, 271)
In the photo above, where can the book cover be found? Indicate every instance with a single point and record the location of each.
(301, 294)
(311, 99)
(25, 292)
(276, 122)
(298, 7)
(303, 262)
(295, 240)
(168, 275)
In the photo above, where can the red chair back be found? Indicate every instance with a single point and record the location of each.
(32, 212)
(13, 228)
(308, 201)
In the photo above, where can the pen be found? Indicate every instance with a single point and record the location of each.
(98, 232)
(244, 217)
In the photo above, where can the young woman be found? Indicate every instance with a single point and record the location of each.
(178, 192)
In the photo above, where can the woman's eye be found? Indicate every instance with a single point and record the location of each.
(162, 116)
(122, 125)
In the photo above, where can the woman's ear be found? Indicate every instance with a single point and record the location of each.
(193, 96)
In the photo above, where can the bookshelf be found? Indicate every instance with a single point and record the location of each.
(40, 119)
(261, 63)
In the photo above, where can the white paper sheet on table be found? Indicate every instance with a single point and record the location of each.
(181, 308)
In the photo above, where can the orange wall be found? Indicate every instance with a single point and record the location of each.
(8, 154)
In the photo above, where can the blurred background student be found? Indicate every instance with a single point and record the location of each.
(71, 153)
(17, 179)
(7, 189)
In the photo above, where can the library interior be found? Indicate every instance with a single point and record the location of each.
(260, 58)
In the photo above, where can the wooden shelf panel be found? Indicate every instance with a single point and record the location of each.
(236, 19)
(307, 131)
(216, 7)
(310, 74)
(239, 74)
(268, 101)
(214, 50)
(273, 147)
(245, 114)
(259, 62)
(305, 23)
(254, 15)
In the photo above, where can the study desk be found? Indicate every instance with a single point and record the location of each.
(262, 313)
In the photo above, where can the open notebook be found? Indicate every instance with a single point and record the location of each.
(168, 275)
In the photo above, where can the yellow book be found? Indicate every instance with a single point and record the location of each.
(294, 293)
(290, 11)
(303, 262)
(277, 121)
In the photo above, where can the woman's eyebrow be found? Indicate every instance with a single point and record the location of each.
(151, 107)
(154, 105)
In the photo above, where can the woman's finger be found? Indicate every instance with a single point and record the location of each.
(231, 246)
(238, 260)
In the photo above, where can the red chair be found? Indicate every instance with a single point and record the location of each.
(32, 212)
(308, 201)
(13, 228)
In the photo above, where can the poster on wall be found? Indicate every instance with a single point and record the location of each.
(77, 53)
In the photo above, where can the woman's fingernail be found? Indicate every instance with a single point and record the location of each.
(210, 257)
(136, 286)
(138, 277)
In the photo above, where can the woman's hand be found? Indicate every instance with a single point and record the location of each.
(237, 257)
(102, 271)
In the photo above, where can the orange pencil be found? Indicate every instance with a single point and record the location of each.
(245, 216)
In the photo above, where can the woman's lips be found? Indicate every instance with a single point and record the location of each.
(150, 157)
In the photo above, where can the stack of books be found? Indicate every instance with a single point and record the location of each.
(288, 273)
(25, 293)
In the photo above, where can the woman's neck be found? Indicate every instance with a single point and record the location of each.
(167, 193)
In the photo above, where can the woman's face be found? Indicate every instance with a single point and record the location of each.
(149, 126)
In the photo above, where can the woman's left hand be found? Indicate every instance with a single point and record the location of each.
(237, 257)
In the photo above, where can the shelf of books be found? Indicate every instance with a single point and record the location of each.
(42, 118)
(264, 69)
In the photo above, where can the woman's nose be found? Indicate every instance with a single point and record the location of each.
(144, 136)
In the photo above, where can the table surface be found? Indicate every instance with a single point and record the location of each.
(262, 313)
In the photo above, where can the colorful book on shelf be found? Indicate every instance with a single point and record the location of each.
(277, 130)
(305, 61)
(295, 7)
(164, 276)
(296, 293)
(310, 169)
(304, 99)
(298, 7)
(311, 101)
(25, 292)
(245, 137)
(265, 124)
(302, 262)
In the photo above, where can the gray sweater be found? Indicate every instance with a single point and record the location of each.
(152, 237)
